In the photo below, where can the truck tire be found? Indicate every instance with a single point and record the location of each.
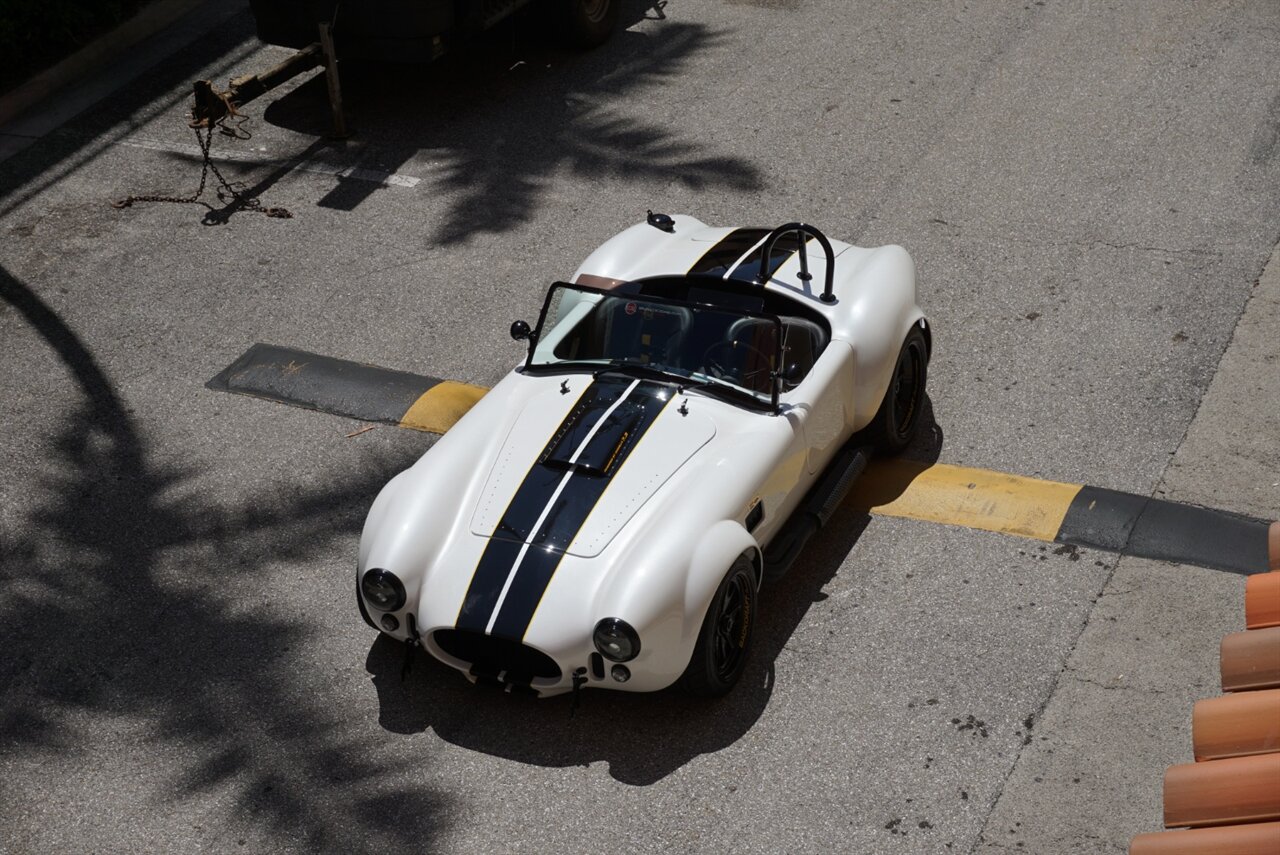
(584, 24)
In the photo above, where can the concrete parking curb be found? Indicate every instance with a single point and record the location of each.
(345, 388)
(1073, 515)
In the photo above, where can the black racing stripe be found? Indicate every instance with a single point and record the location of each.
(527, 504)
(618, 436)
(548, 471)
(717, 260)
(786, 246)
(1165, 531)
(600, 459)
(486, 584)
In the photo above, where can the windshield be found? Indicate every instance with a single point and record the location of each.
(717, 349)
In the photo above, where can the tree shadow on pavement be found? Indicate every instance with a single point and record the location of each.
(500, 120)
(80, 142)
(98, 625)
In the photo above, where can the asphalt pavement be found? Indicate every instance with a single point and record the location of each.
(1091, 192)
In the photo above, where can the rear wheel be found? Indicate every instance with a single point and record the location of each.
(720, 656)
(583, 23)
(898, 419)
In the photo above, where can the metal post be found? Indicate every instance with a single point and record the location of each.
(331, 77)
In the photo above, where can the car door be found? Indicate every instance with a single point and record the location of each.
(823, 404)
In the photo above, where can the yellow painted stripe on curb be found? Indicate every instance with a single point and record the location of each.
(438, 408)
(957, 495)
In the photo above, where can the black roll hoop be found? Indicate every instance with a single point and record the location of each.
(828, 290)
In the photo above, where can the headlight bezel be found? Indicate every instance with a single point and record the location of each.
(377, 577)
(614, 629)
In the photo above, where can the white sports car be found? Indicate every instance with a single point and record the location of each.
(692, 408)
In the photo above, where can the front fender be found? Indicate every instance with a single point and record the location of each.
(715, 553)
(878, 294)
(417, 514)
(665, 597)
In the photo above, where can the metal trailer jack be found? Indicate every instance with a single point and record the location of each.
(210, 106)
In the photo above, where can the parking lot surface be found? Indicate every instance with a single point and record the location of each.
(1091, 192)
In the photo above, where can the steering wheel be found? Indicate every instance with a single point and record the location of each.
(712, 356)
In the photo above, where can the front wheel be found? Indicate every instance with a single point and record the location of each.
(583, 23)
(720, 656)
(898, 419)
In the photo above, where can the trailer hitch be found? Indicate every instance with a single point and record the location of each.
(210, 106)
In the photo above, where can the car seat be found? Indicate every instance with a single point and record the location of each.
(802, 343)
(640, 331)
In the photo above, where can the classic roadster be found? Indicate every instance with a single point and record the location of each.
(693, 406)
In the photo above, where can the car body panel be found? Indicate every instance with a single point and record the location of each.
(563, 497)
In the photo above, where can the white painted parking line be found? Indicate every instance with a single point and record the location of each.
(259, 156)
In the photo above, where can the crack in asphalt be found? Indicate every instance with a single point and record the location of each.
(1114, 687)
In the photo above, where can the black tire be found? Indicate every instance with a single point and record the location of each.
(583, 24)
(898, 420)
(364, 612)
(720, 656)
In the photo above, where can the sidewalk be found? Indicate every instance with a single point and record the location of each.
(58, 94)
(1091, 776)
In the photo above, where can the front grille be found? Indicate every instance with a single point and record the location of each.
(490, 656)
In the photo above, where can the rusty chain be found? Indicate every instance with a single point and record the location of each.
(226, 193)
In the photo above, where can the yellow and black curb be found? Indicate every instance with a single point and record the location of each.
(1069, 514)
(344, 388)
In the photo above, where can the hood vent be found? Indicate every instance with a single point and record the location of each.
(607, 447)
(603, 460)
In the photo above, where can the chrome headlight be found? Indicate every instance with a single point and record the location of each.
(616, 640)
(383, 590)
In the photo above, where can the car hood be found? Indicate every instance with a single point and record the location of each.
(570, 481)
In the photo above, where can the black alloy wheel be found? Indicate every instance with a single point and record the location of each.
(898, 419)
(720, 656)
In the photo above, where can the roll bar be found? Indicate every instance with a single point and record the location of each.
(762, 278)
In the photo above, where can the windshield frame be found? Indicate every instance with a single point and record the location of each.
(721, 390)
